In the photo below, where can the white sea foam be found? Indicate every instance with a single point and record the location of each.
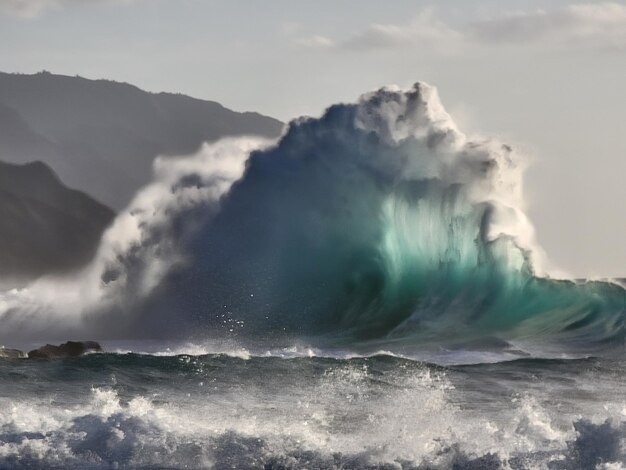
(301, 417)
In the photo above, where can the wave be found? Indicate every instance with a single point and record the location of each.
(379, 224)
(476, 354)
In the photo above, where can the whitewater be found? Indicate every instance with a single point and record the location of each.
(364, 292)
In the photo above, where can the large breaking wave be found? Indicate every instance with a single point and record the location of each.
(378, 224)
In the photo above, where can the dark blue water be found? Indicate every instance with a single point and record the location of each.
(287, 410)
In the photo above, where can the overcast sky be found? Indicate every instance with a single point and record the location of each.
(547, 77)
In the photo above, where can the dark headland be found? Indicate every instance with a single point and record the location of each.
(49, 351)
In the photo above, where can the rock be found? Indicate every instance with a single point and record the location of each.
(69, 349)
(6, 353)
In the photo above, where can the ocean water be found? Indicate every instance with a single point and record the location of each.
(366, 292)
(290, 409)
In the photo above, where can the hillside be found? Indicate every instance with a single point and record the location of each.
(102, 136)
(46, 227)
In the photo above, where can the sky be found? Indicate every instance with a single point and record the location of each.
(546, 77)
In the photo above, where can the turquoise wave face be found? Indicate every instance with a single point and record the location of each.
(437, 274)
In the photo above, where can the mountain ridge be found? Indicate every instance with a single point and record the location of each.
(101, 136)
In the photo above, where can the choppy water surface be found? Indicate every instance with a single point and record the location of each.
(218, 411)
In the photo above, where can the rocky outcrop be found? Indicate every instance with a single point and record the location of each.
(69, 349)
(50, 351)
(6, 353)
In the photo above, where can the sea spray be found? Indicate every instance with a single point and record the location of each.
(377, 225)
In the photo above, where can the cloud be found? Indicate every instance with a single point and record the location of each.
(425, 29)
(315, 42)
(601, 24)
(597, 25)
(26, 8)
(33, 8)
